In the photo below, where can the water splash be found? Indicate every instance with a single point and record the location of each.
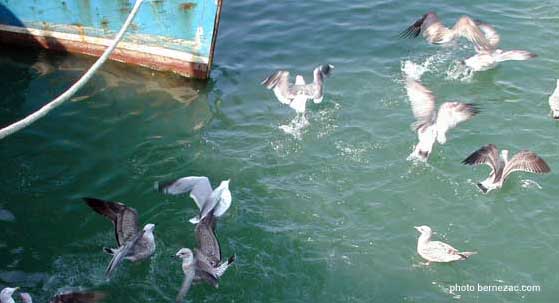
(433, 64)
(459, 71)
(296, 126)
(527, 183)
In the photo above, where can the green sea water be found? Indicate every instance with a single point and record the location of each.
(321, 213)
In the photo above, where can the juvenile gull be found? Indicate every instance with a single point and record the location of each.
(554, 102)
(437, 251)
(435, 32)
(205, 264)
(6, 294)
(296, 95)
(206, 198)
(501, 167)
(69, 297)
(134, 244)
(490, 55)
(431, 125)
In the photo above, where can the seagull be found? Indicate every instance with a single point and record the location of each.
(502, 167)
(433, 30)
(133, 244)
(437, 251)
(207, 199)
(554, 102)
(205, 264)
(69, 297)
(488, 56)
(6, 294)
(296, 95)
(432, 125)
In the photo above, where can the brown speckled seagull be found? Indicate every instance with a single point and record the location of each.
(437, 251)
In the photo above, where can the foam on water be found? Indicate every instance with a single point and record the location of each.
(296, 126)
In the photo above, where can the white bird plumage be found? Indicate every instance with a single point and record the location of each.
(437, 251)
(502, 167)
(431, 125)
(554, 102)
(6, 294)
(207, 199)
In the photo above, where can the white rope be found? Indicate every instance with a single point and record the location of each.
(8, 130)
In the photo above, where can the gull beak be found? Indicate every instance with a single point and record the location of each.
(16, 288)
(417, 228)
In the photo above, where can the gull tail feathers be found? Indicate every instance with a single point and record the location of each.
(514, 55)
(118, 256)
(220, 270)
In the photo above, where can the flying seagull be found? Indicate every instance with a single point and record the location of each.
(554, 102)
(296, 95)
(134, 244)
(431, 125)
(489, 56)
(502, 167)
(69, 297)
(6, 294)
(205, 264)
(437, 251)
(435, 32)
(207, 199)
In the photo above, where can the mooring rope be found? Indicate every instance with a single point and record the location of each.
(8, 130)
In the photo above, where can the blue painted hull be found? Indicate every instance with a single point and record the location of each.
(166, 34)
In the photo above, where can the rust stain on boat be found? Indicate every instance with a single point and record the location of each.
(186, 6)
(105, 24)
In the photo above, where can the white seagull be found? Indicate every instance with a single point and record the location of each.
(554, 102)
(296, 95)
(134, 244)
(437, 251)
(431, 125)
(6, 294)
(488, 56)
(207, 199)
(434, 31)
(502, 167)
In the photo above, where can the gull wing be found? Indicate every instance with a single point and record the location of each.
(488, 154)
(199, 187)
(207, 241)
(421, 25)
(526, 161)
(452, 113)
(422, 102)
(467, 28)
(279, 83)
(124, 218)
(122, 252)
(490, 33)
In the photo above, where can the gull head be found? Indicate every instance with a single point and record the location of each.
(424, 230)
(25, 297)
(6, 293)
(186, 255)
(149, 227)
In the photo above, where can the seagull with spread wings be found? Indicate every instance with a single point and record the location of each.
(134, 244)
(502, 167)
(490, 55)
(205, 264)
(437, 251)
(435, 32)
(296, 95)
(431, 125)
(208, 200)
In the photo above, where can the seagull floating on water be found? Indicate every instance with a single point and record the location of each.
(437, 251)
(431, 125)
(207, 199)
(134, 244)
(205, 263)
(296, 95)
(69, 297)
(6, 294)
(554, 102)
(433, 30)
(488, 56)
(502, 167)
